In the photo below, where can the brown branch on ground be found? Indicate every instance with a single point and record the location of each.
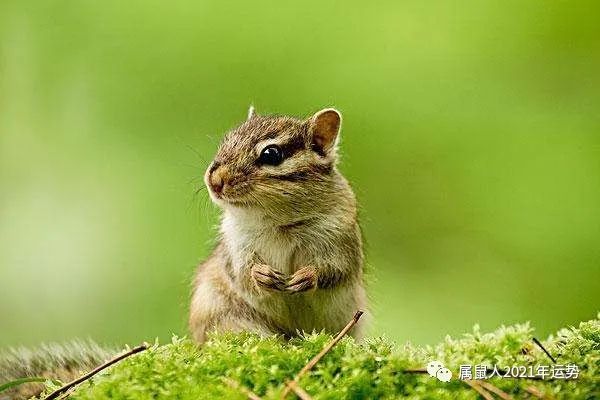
(479, 389)
(235, 385)
(494, 389)
(90, 374)
(415, 371)
(544, 349)
(325, 350)
(301, 393)
(536, 392)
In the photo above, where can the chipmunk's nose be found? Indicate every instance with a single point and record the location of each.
(217, 178)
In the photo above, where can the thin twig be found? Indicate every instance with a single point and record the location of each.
(544, 349)
(495, 389)
(301, 393)
(87, 376)
(235, 385)
(415, 371)
(486, 395)
(325, 350)
(533, 391)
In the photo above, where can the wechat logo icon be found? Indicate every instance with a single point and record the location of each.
(437, 370)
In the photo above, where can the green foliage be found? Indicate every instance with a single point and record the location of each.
(369, 370)
(471, 136)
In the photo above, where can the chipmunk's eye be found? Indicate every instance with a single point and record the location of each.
(271, 155)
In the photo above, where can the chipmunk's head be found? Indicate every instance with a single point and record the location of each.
(275, 162)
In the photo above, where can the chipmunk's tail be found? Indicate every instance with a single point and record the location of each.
(62, 362)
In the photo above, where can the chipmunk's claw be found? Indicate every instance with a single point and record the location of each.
(265, 277)
(304, 279)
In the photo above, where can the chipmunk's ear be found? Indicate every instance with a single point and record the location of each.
(324, 127)
(251, 112)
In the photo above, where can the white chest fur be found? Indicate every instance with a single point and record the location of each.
(250, 238)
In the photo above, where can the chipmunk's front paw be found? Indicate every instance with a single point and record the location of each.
(304, 279)
(265, 277)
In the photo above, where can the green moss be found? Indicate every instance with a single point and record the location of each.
(371, 370)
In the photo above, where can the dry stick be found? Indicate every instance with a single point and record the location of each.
(325, 350)
(544, 349)
(536, 392)
(299, 391)
(415, 371)
(87, 376)
(494, 389)
(486, 395)
(532, 390)
(235, 385)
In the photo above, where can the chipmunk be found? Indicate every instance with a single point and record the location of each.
(290, 256)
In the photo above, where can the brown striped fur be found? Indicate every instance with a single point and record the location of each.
(290, 254)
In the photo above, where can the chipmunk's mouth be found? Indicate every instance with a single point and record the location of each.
(233, 200)
(223, 198)
(235, 203)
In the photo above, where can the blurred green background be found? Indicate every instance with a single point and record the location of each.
(471, 136)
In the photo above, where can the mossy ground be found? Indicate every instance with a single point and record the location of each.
(370, 370)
